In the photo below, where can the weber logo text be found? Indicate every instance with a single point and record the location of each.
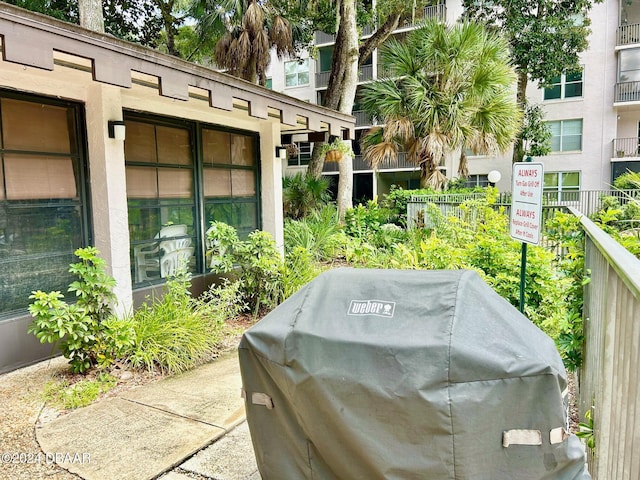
(372, 307)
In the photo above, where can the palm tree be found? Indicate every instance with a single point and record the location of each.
(248, 30)
(451, 87)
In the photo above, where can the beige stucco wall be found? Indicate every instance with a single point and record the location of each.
(106, 156)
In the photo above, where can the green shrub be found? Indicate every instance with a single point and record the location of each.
(302, 194)
(78, 329)
(319, 233)
(300, 269)
(627, 181)
(175, 332)
(258, 262)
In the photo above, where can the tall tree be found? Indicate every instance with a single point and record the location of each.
(448, 86)
(546, 38)
(389, 14)
(247, 30)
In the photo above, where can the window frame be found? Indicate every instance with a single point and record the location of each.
(562, 192)
(562, 83)
(200, 203)
(83, 234)
(297, 72)
(562, 135)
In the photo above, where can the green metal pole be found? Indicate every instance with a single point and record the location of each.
(523, 266)
(523, 271)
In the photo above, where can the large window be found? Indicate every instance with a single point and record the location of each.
(562, 186)
(296, 73)
(566, 135)
(230, 179)
(169, 177)
(629, 65)
(565, 86)
(42, 196)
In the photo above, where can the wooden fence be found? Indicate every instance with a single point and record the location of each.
(609, 379)
(610, 375)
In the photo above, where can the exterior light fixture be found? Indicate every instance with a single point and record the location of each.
(281, 152)
(116, 129)
(494, 177)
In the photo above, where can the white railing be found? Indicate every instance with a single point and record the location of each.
(610, 377)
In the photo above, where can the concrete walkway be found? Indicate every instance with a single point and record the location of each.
(157, 428)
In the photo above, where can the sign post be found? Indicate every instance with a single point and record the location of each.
(526, 210)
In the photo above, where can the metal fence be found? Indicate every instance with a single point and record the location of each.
(586, 201)
(610, 377)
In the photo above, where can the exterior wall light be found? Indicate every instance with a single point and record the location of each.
(117, 129)
(281, 152)
(494, 177)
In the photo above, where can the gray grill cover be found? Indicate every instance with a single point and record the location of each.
(387, 374)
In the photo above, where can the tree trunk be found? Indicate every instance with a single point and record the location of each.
(91, 16)
(521, 99)
(335, 91)
(347, 97)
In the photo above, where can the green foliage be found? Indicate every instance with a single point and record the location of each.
(78, 329)
(302, 194)
(319, 232)
(80, 394)
(543, 46)
(300, 269)
(258, 262)
(565, 232)
(535, 133)
(176, 332)
(448, 86)
(627, 181)
(222, 240)
(621, 221)
(586, 430)
(336, 144)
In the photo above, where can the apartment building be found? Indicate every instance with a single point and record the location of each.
(594, 116)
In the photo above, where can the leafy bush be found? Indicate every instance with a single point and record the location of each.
(78, 329)
(319, 233)
(176, 332)
(258, 262)
(565, 231)
(302, 194)
(300, 269)
(627, 181)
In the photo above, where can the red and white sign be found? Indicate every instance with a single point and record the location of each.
(526, 202)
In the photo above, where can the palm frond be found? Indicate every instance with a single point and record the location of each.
(381, 153)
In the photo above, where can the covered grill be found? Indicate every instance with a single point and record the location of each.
(387, 374)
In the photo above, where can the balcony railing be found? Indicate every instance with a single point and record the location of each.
(363, 119)
(359, 164)
(321, 37)
(628, 34)
(627, 92)
(626, 147)
(434, 11)
(365, 73)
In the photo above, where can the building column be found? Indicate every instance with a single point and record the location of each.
(271, 183)
(109, 189)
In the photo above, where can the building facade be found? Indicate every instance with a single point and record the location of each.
(594, 116)
(106, 143)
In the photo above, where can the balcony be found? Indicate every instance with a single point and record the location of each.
(322, 38)
(628, 34)
(363, 119)
(359, 164)
(626, 148)
(365, 73)
(627, 92)
(434, 11)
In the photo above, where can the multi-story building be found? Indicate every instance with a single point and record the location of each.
(594, 115)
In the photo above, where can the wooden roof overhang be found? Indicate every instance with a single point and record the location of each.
(35, 40)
